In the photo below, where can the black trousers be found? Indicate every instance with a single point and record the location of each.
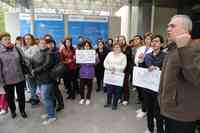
(88, 83)
(126, 87)
(153, 111)
(58, 95)
(174, 126)
(10, 94)
(198, 126)
(99, 76)
(99, 83)
(140, 91)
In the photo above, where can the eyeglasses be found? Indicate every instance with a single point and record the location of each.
(171, 25)
(27, 38)
(156, 41)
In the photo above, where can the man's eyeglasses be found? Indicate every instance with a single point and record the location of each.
(171, 25)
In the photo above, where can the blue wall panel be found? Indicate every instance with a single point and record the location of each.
(90, 30)
(55, 28)
(25, 27)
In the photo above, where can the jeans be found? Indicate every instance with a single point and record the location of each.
(58, 95)
(33, 87)
(113, 94)
(48, 98)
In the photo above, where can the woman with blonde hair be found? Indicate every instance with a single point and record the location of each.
(115, 61)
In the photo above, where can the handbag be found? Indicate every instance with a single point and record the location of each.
(58, 70)
(25, 68)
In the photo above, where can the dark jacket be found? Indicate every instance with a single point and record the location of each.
(99, 68)
(152, 60)
(128, 52)
(157, 60)
(180, 83)
(42, 63)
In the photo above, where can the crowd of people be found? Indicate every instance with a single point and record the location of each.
(29, 62)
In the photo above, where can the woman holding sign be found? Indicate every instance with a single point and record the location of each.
(87, 73)
(115, 62)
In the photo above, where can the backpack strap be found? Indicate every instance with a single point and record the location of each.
(2, 75)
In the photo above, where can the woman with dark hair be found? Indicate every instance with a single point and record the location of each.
(11, 74)
(67, 56)
(41, 65)
(87, 73)
(99, 68)
(153, 61)
(54, 52)
(19, 42)
(110, 44)
(48, 37)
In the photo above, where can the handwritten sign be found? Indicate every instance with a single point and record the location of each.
(116, 78)
(143, 78)
(85, 56)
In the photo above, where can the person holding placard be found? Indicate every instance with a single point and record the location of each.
(87, 73)
(140, 54)
(153, 61)
(115, 62)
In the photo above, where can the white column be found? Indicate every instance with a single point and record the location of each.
(12, 25)
(129, 19)
(135, 17)
(153, 15)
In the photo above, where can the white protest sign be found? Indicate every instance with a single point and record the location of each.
(146, 79)
(116, 78)
(85, 56)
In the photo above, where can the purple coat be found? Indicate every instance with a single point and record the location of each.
(87, 71)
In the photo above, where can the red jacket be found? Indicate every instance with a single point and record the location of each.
(68, 57)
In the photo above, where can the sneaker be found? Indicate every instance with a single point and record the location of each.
(114, 107)
(81, 101)
(98, 90)
(3, 112)
(138, 111)
(107, 105)
(119, 101)
(125, 102)
(13, 115)
(59, 108)
(133, 89)
(87, 102)
(24, 115)
(48, 121)
(147, 131)
(140, 115)
(35, 102)
(44, 116)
